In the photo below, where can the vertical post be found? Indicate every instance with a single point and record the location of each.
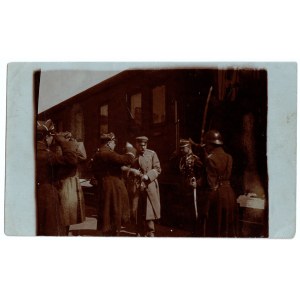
(176, 126)
(204, 115)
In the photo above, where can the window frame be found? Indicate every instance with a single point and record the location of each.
(138, 92)
(162, 123)
(101, 118)
(75, 110)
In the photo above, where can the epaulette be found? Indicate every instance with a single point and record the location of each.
(151, 151)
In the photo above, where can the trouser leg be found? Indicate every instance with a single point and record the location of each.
(219, 219)
(140, 225)
(141, 215)
(150, 227)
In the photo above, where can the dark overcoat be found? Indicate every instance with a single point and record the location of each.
(50, 220)
(148, 163)
(113, 194)
(220, 195)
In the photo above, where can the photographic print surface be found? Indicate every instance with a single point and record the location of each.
(155, 150)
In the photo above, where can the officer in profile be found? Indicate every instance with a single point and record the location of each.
(220, 195)
(113, 194)
(146, 203)
(191, 169)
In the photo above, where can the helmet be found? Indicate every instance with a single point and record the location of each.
(213, 137)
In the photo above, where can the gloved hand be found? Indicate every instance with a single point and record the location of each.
(145, 178)
(193, 182)
(135, 172)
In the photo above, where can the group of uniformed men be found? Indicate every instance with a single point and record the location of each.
(208, 195)
(135, 201)
(206, 186)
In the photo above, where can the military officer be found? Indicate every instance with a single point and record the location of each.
(48, 163)
(131, 182)
(146, 203)
(113, 194)
(191, 169)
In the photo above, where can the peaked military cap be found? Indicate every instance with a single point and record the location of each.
(184, 143)
(45, 126)
(141, 139)
(105, 137)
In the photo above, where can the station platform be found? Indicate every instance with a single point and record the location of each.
(89, 228)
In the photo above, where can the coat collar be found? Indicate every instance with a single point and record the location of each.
(40, 145)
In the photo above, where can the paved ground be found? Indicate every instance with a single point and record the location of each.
(89, 228)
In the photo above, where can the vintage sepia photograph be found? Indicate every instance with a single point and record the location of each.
(151, 150)
(160, 152)
(124, 120)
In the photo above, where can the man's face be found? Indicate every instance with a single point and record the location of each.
(49, 139)
(141, 147)
(184, 150)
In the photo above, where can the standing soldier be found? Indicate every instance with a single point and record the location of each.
(190, 167)
(131, 183)
(220, 195)
(146, 204)
(50, 218)
(70, 191)
(113, 194)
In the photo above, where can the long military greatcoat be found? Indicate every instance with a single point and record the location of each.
(70, 191)
(148, 163)
(113, 194)
(220, 194)
(50, 220)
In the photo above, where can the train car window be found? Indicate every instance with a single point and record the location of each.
(79, 125)
(158, 105)
(77, 122)
(136, 107)
(104, 118)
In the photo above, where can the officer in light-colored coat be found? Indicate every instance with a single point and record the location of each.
(146, 203)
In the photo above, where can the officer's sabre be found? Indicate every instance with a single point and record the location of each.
(195, 197)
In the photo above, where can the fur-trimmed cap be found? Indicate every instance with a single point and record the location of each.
(106, 137)
(45, 126)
